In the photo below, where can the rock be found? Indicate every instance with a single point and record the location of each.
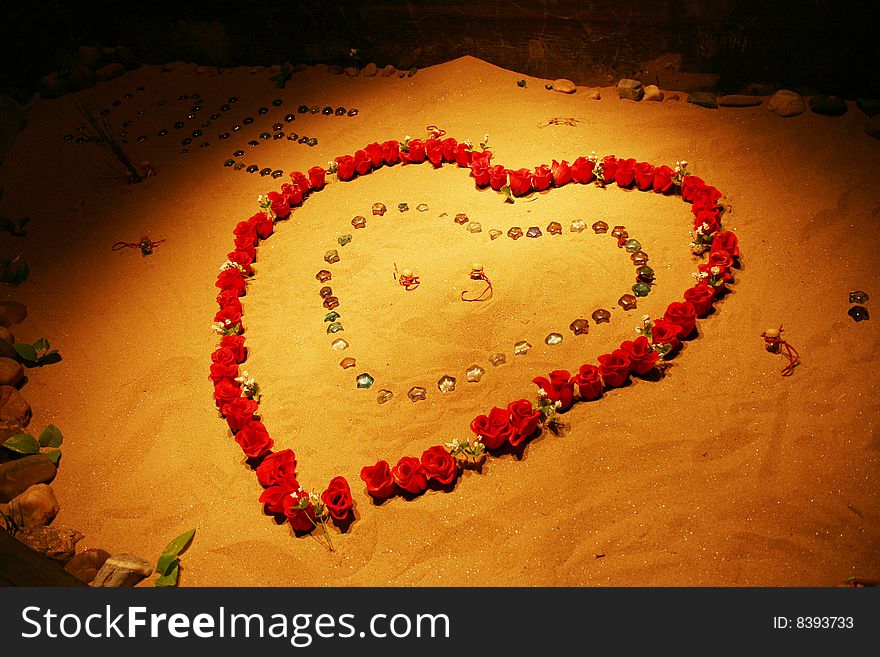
(35, 507)
(828, 105)
(564, 86)
(870, 106)
(53, 86)
(57, 544)
(85, 565)
(352, 71)
(762, 88)
(111, 71)
(19, 475)
(630, 89)
(872, 127)
(786, 103)
(652, 92)
(12, 313)
(594, 94)
(13, 407)
(739, 100)
(672, 97)
(11, 372)
(122, 570)
(6, 335)
(92, 57)
(388, 71)
(335, 69)
(370, 70)
(703, 99)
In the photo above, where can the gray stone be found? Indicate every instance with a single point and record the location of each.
(110, 71)
(19, 475)
(739, 100)
(388, 71)
(628, 89)
(11, 372)
(872, 127)
(828, 105)
(703, 99)
(13, 407)
(85, 565)
(53, 85)
(335, 69)
(12, 313)
(122, 570)
(35, 507)
(786, 103)
(370, 70)
(564, 86)
(57, 544)
(870, 106)
(652, 92)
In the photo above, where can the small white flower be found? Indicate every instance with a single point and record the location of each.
(716, 271)
(542, 392)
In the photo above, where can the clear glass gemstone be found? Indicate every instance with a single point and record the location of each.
(384, 396)
(335, 327)
(580, 326)
(347, 363)
(627, 302)
(332, 316)
(332, 256)
(364, 380)
(497, 359)
(521, 348)
(534, 231)
(339, 344)
(553, 339)
(379, 209)
(494, 234)
(475, 227)
(578, 226)
(446, 383)
(417, 393)
(475, 373)
(422, 207)
(344, 239)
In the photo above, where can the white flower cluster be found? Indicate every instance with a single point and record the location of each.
(231, 265)
(221, 327)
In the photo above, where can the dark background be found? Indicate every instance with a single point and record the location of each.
(810, 45)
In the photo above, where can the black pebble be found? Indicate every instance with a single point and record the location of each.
(352, 112)
(68, 137)
(278, 126)
(178, 125)
(278, 135)
(224, 135)
(292, 136)
(123, 133)
(204, 144)
(239, 166)
(142, 138)
(289, 117)
(340, 111)
(238, 153)
(312, 141)
(232, 99)
(248, 120)
(315, 109)
(265, 135)
(215, 116)
(81, 140)
(228, 163)
(104, 112)
(277, 102)
(303, 139)
(236, 128)
(302, 109)
(183, 97)
(252, 168)
(206, 124)
(197, 133)
(327, 111)
(128, 96)
(163, 132)
(858, 313)
(263, 110)
(116, 103)
(277, 173)
(162, 103)
(187, 141)
(190, 116)
(253, 142)
(266, 171)
(225, 108)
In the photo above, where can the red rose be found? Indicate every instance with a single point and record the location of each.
(223, 371)
(644, 176)
(391, 151)
(542, 177)
(317, 178)
(614, 368)
(231, 279)
(726, 241)
(557, 388)
(415, 152)
(480, 174)
(362, 162)
(483, 158)
(298, 180)
(463, 155)
(409, 476)
(301, 520)
(625, 174)
(377, 157)
(705, 198)
(246, 232)
(524, 419)
(228, 298)
(263, 225)
(244, 259)
(239, 412)
(450, 148)
(439, 465)
(561, 173)
(378, 478)
(497, 176)
(230, 315)
(345, 167)
(494, 429)
(663, 179)
(226, 391)
(245, 242)
(589, 382)
(642, 357)
(337, 498)
(664, 332)
(582, 170)
(235, 343)
(684, 315)
(722, 275)
(277, 497)
(520, 181)
(434, 151)
(253, 439)
(280, 204)
(277, 467)
(707, 220)
(720, 259)
(700, 297)
(224, 356)
(609, 168)
(689, 185)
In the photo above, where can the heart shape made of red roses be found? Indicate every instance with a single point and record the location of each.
(502, 427)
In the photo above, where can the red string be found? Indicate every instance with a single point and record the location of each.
(478, 275)
(794, 359)
(435, 132)
(409, 282)
(146, 245)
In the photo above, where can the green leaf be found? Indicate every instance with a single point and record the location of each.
(51, 437)
(179, 544)
(166, 563)
(23, 443)
(54, 456)
(41, 345)
(171, 578)
(26, 351)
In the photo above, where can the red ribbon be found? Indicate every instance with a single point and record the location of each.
(774, 344)
(478, 275)
(146, 245)
(435, 132)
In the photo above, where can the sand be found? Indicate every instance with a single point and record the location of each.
(723, 473)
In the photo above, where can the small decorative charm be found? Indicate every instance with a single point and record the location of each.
(475, 373)
(332, 256)
(619, 232)
(521, 348)
(600, 228)
(600, 315)
(580, 326)
(774, 343)
(332, 316)
(359, 221)
(145, 245)
(334, 327)
(325, 292)
(422, 207)
(578, 226)
(406, 279)
(330, 303)
(475, 227)
(477, 274)
(494, 234)
(403, 207)
(364, 380)
(379, 209)
(339, 344)
(497, 360)
(515, 233)
(641, 289)
(446, 383)
(461, 218)
(858, 313)
(343, 239)
(627, 302)
(554, 228)
(417, 393)
(632, 246)
(639, 258)
(347, 363)
(384, 396)
(858, 296)
(645, 273)
(533, 232)
(553, 339)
